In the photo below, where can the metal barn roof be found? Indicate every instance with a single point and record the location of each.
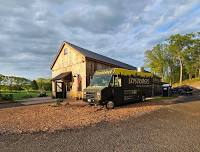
(100, 57)
(92, 55)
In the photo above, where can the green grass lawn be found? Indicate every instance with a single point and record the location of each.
(19, 95)
(193, 82)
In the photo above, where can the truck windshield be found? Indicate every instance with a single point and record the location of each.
(102, 80)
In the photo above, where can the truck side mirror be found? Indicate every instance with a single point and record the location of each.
(111, 84)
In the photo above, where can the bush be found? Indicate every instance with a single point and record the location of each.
(28, 96)
(7, 97)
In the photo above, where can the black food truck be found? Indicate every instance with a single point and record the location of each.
(117, 86)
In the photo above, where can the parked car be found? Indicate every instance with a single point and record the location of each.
(187, 90)
(43, 94)
(182, 90)
(174, 91)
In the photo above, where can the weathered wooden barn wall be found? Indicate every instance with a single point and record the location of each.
(76, 63)
(72, 61)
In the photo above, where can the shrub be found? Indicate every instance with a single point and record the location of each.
(7, 97)
(28, 96)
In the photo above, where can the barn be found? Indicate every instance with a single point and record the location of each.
(73, 67)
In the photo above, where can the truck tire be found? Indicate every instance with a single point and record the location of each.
(142, 98)
(110, 105)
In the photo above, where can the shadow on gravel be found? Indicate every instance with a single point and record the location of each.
(180, 99)
(10, 105)
(27, 102)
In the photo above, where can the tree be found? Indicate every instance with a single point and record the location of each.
(189, 63)
(17, 84)
(156, 59)
(40, 82)
(44, 84)
(196, 52)
(189, 54)
(34, 85)
(170, 70)
(177, 58)
(10, 82)
(178, 45)
(1, 79)
(27, 87)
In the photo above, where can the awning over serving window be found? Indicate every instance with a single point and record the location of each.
(63, 76)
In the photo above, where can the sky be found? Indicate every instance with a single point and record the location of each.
(31, 32)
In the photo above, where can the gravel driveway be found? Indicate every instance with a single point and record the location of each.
(49, 117)
(175, 127)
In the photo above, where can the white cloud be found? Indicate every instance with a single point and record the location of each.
(31, 31)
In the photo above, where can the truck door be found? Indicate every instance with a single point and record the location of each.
(118, 91)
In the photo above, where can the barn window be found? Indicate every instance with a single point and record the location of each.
(65, 51)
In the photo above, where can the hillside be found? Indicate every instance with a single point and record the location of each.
(195, 83)
(12, 80)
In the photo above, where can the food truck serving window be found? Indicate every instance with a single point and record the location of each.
(118, 82)
(101, 80)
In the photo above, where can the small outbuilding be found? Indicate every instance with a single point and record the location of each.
(73, 67)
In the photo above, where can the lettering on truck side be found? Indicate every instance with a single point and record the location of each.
(138, 81)
(129, 94)
(130, 91)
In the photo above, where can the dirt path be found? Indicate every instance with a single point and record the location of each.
(27, 102)
(38, 100)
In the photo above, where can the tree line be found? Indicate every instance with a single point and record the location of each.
(17, 83)
(175, 59)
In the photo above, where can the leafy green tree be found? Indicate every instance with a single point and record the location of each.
(40, 82)
(196, 53)
(44, 84)
(1, 79)
(170, 66)
(27, 87)
(189, 63)
(177, 58)
(10, 83)
(189, 55)
(178, 46)
(156, 59)
(34, 85)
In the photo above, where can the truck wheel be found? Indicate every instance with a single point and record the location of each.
(142, 98)
(91, 104)
(110, 105)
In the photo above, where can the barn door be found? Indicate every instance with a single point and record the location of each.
(61, 90)
(118, 91)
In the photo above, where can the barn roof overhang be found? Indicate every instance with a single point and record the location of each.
(63, 76)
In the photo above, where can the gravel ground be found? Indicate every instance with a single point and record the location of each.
(174, 127)
(46, 117)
